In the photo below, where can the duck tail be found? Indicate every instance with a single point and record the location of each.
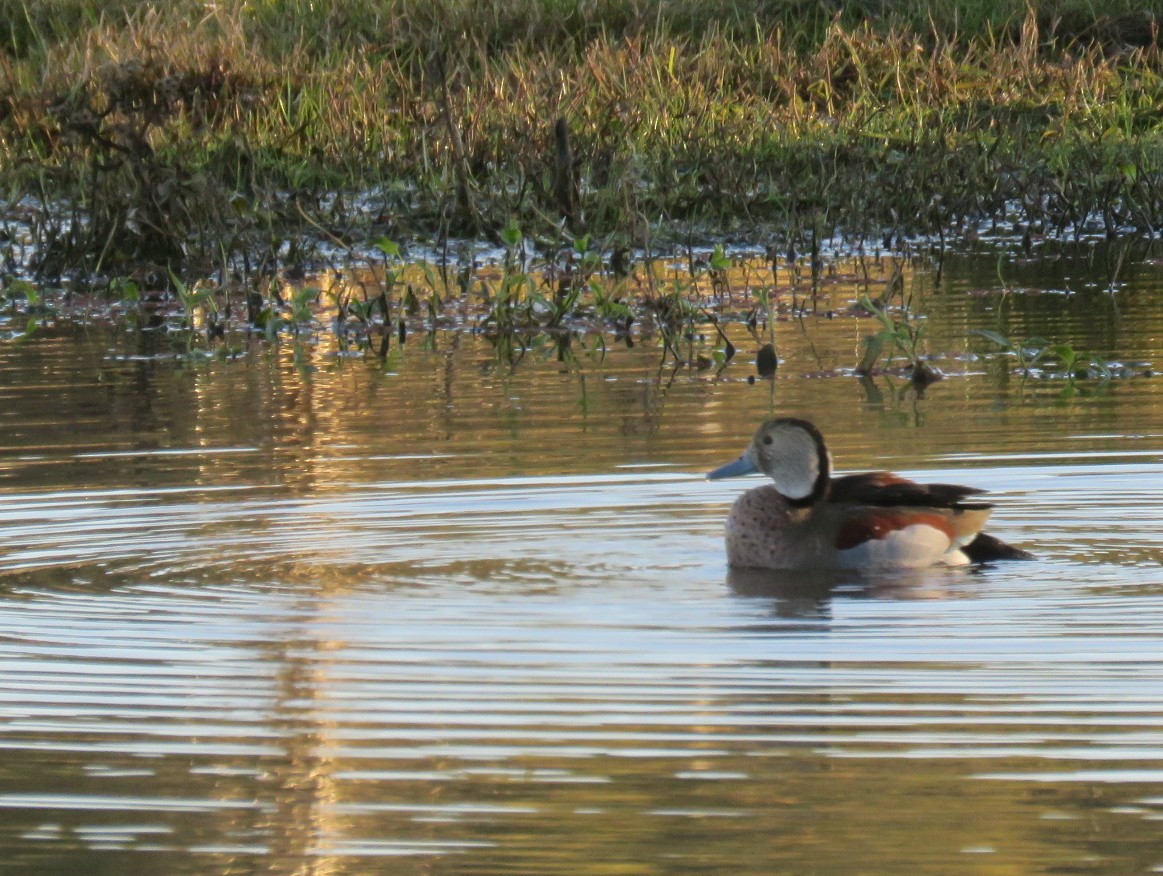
(987, 549)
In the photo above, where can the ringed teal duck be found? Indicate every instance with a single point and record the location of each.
(807, 519)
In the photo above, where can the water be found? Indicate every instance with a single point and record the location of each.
(461, 617)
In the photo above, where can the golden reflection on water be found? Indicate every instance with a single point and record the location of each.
(304, 613)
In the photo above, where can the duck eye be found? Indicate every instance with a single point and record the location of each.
(766, 439)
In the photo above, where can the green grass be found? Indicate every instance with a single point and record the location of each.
(190, 136)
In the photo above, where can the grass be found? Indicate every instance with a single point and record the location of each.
(251, 135)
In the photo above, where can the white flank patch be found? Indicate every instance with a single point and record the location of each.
(913, 547)
(955, 557)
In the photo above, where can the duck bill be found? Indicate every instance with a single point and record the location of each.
(741, 466)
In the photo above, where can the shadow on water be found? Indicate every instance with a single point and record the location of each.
(810, 594)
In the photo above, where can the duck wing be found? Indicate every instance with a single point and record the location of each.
(885, 489)
(867, 493)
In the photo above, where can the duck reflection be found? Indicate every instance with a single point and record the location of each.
(808, 594)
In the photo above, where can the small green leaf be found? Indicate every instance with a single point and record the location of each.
(511, 235)
(1035, 343)
(389, 248)
(429, 276)
(306, 294)
(873, 348)
(125, 289)
(22, 289)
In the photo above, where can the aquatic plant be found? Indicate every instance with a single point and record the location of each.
(1070, 363)
(900, 334)
(25, 299)
(1027, 352)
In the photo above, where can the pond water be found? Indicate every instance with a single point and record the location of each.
(298, 612)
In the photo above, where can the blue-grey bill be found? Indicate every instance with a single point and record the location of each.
(741, 466)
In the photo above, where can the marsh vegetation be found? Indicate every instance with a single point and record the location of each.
(252, 135)
(540, 173)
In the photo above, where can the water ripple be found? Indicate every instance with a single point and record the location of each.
(484, 667)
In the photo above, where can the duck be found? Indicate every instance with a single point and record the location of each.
(807, 519)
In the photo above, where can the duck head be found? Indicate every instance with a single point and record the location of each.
(792, 453)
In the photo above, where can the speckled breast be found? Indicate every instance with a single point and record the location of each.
(761, 534)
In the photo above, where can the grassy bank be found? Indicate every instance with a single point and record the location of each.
(200, 136)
